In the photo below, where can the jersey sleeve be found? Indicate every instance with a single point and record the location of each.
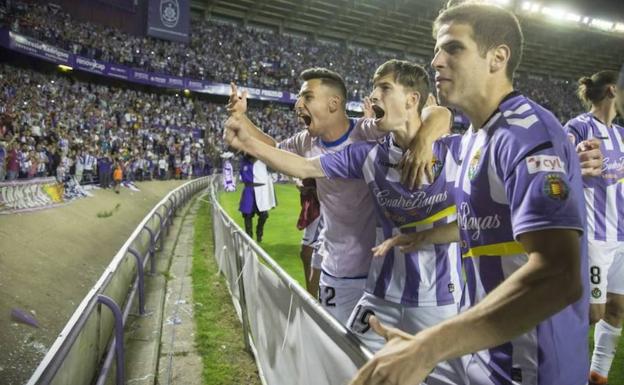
(348, 162)
(539, 177)
(295, 143)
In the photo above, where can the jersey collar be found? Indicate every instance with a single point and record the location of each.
(342, 139)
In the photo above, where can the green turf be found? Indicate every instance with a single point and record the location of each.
(283, 238)
(219, 332)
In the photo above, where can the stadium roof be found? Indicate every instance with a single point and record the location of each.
(551, 48)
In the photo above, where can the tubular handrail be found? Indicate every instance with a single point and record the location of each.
(54, 358)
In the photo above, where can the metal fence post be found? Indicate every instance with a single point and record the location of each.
(119, 349)
(241, 288)
(140, 273)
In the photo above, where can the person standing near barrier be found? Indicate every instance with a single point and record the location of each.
(117, 174)
(520, 224)
(257, 197)
(311, 222)
(346, 205)
(410, 291)
(105, 170)
(604, 201)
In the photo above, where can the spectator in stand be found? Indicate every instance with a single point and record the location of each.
(117, 174)
(104, 165)
(12, 162)
(265, 59)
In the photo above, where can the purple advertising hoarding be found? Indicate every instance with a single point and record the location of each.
(169, 19)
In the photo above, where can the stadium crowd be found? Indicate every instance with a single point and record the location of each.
(55, 125)
(250, 56)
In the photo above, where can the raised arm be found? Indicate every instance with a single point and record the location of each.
(237, 107)
(548, 282)
(280, 160)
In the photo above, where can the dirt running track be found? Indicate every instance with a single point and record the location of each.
(50, 259)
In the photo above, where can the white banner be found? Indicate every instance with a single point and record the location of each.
(32, 194)
(294, 339)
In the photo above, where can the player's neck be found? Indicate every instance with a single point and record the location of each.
(336, 128)
(483, 106)
(605, 112)
(404, 136)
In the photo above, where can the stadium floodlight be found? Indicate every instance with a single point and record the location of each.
(503, 3)
(586, 20)
(573, 17)
(619, 27)
(65, 68)
(602, 24)
(535, 7)
(555, 13)
(526, 6)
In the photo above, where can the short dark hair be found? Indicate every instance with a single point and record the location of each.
(327, 77)
(410, 75)
(491, 27)
(593, 89)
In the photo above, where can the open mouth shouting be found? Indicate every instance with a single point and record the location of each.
(305, 118)
(379, 112)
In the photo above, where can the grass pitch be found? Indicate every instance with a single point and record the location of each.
(282, 242)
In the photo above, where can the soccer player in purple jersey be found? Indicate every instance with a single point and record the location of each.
(346, 206)
(520, 223)
(604, 199)
(410, 291)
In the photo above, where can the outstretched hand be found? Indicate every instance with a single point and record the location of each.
(238, 103)
(407, 242)
(398, 363)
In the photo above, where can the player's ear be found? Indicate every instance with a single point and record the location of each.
(499, 58)
(334, 103)
(413, 99)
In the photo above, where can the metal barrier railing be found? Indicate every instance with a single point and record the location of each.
(76, 355)
(232, 248)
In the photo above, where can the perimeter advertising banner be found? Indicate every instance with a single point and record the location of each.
(169, 19)
(33, 47)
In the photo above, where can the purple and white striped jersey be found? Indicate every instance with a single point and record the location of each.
(427, 277)
(520, 174)
(346, 206)
(604, 195)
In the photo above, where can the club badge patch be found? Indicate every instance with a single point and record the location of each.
(436, 167)
(596, 293)
(555, 187)
(474, 164)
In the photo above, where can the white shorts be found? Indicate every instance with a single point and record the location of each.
(411, 320)
(312, 232)
(606, 270)
(339, 295)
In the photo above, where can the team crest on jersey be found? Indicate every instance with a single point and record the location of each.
(436, 167)
(555, 187)
(596, 293)
(474, 164)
